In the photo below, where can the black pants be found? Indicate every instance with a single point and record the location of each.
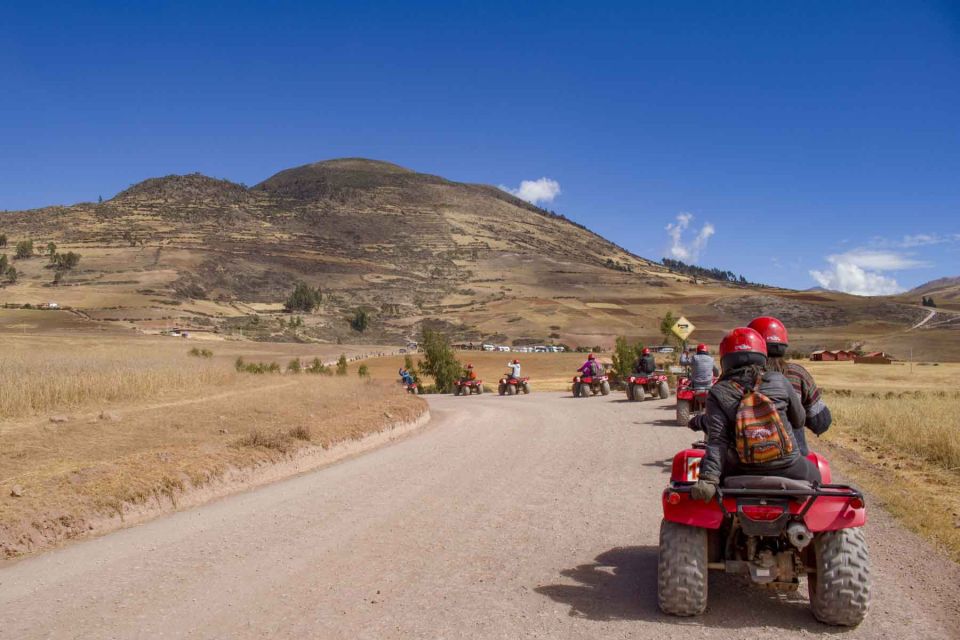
(799, 469)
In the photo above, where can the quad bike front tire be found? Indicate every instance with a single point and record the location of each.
(526, 388)
(683, 412)
(456, 390)
(605, 388)
(479, 389)
(502, 389)
(664, 390)
(682, 569)
(840, 588)
(585, 391)
(511, 389)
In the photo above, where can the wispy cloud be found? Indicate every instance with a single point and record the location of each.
(860, 272)
(536, 191)
(688, 251)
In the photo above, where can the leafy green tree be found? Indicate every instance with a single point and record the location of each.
(65, 261)
(4, 263)
(360, 321)
(342, 365)
(411, 367)
(439, 360)
(666, 328)
(303, 298)
(3, 239)
(24, 249)
(363, 371)
(625, 354)
(51, 250)
(12, 274)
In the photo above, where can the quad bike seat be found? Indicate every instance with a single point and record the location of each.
(775, 483)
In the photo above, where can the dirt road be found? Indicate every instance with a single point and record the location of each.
(526, 517)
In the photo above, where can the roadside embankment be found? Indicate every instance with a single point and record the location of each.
(91, 471)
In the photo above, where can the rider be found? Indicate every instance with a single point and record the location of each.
(514, 367)
(818, 414)
(703, 368)
(743, 354)
(645, 364)
(406, 376)
(471, 374)
(591, 367)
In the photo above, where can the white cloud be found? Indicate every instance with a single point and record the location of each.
(688, 252)
(535, 191)
(860, 272)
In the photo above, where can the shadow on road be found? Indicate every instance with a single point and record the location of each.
(621, 584)
(665, 466)
(666, 422)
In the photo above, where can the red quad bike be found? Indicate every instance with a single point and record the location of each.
(464, 387)
(412, 387)
(586, 386)
(690, 401)
(512, 386)
(655, 384)
(773, 530)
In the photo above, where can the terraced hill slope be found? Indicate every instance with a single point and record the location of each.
(412, 249)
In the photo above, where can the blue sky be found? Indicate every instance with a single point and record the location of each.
(796, 143)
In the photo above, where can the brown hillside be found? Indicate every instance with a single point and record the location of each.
(412, 249)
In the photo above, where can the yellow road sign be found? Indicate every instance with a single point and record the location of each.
(682, 328)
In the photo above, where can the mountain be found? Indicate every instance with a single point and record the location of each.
(414, 250)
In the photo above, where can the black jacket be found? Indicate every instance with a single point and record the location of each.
(646, 364)
(719, 420)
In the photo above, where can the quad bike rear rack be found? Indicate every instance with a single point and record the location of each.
(818, 490)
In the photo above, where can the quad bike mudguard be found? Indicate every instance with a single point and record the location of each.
(824, 507)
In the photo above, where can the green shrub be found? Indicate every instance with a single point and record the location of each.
(363, 371)
(24, 249)
(200, 353)
(360, 321)
(317, 367)
(294, 366)
(439, 360)
(342, 365)
(303, 298)
(624, 355)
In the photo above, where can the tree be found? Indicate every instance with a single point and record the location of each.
(303, 298)
(3, 239)
(363, 371)
(12, 274)
(24, 249)
(4, 263)
(666, 327)
(342, 365)
(624, 355)
(66, 261)
(51, 250)
(409, 366)
(439, 360)
(360, 321)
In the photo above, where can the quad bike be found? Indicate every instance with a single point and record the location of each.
(773, 530)
(690, 401)
(512, 386)
(586, 386)
(412, 387)
(464, 387)
(655, 384)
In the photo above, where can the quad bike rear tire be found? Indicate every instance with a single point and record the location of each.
(585, 390)
(502, 389)
(526, 388)
(511, 389)
(682, 569)
(605, 388)
(639, 393)
(479, 389)
(840, 589)
(664, 390)
(456, 390)
(683, 412)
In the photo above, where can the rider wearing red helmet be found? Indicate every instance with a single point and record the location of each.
(471, 374)
(645, 364)
(591, 367)
(743, 354)
(514, 367)
(702, 367)
(775, 334)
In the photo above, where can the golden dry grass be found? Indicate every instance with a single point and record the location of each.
(893, 377)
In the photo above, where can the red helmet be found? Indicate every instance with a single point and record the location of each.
(646, 351)
(515, 361)
(770, 328)
(591, 357)
(470, 366)
(741, 347)
(702, 348)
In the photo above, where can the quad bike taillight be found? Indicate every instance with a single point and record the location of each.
(761, 512)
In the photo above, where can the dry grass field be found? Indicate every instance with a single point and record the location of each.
(99, 424)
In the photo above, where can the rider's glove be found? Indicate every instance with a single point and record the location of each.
(695, 424)
(704, 490)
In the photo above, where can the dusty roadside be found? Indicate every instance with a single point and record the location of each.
(98, 471)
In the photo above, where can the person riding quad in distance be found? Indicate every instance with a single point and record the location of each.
(645, 364)
(735, 445)
(406, 376)
(514, 367)
(702, 368)
(777, 339)
(591, 367)
(470, 374)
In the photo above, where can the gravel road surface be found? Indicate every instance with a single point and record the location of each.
(519, 517)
